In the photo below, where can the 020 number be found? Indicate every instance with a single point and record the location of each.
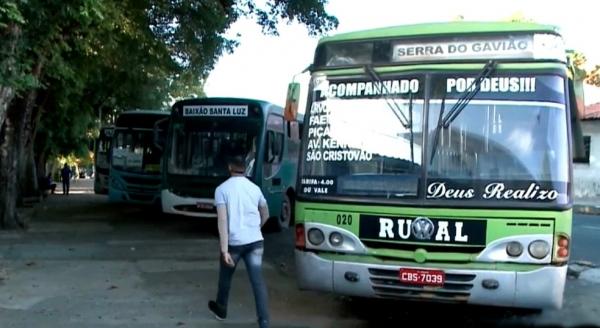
(344, 219)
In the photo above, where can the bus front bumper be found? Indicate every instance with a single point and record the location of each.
(188, 206)
(536, 289)
(140, 198)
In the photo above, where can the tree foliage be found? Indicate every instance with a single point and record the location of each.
(98, 56)
(66, 64)
(582, 71)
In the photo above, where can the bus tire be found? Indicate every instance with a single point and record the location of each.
(286, 217)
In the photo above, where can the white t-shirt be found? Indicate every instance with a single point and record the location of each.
(242, 198)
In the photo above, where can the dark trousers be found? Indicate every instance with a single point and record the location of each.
(65, 184)
(252, 256)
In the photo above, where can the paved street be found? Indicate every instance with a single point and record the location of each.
(586, 235)
(87, 263)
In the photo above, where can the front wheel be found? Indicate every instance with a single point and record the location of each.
(286, 218)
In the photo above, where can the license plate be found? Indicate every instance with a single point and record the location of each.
(204, 206)
(422, 277)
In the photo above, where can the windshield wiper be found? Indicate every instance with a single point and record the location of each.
(444, 121)
(471, 91)
(412, 136)
(407, 123)
(391, 102)
(436, 135)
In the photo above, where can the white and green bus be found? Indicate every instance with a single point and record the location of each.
(436, 165)
(204, 132)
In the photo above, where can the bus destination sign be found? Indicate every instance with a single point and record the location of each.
(216, 110)
(508, 47)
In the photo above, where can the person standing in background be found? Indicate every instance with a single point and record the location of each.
(65, 175)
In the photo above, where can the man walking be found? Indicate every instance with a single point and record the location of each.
(241, 210)
(65, 175)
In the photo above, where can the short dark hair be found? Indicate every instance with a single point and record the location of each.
(237, 164)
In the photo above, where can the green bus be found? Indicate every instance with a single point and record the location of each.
(436, 165)
(203, 132)
(134, 176)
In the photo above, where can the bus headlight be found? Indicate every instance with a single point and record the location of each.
(316, 236)
(336, 239)
(514, 248)
(539, 249)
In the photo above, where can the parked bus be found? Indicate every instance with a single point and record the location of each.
(135, 160)
(204, 132)
(101, 162)
(436, 165)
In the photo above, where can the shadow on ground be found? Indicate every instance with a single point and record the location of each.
(392, 313)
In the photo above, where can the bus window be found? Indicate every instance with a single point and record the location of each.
(202, 148)
(251, 158)
(273, 145)
(274, 148)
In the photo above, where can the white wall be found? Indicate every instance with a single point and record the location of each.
(587, 176)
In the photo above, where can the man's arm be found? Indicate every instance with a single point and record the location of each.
(263, 209)
(223, 228)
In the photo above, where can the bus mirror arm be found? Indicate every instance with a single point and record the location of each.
(157, 143)
(157, 140)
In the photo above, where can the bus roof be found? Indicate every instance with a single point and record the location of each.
(222, 100)
(440, 29)
(140, 118)
(144, 112)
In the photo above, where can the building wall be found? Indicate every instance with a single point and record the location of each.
(587, 176)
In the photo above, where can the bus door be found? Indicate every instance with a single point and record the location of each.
(272, 182)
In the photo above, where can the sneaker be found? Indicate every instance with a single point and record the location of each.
(219, 311)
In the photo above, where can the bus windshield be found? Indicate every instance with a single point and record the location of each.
(102, 150)
(510, 136)
(201, 147)
(506, 144)
(357, 144)
(134, 151)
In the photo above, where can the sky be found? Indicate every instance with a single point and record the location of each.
(262, 66)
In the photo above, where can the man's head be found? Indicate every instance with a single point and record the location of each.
(236, 165)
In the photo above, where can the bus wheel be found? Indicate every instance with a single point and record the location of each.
(287, 212)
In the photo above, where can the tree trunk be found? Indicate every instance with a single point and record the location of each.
(9, 50)
(28, 181)
(22, 154)
(8, 175)
(40, 162)
(26, 174)
(6, 96)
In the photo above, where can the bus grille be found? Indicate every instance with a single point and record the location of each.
(141, 181)
(386, 284)
(429, 248)
(141, 197)
(148, 190)
(196, 209)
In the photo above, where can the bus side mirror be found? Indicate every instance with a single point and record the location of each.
(578, 144)
(160, 130)
(291, 102)
(576, 104)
